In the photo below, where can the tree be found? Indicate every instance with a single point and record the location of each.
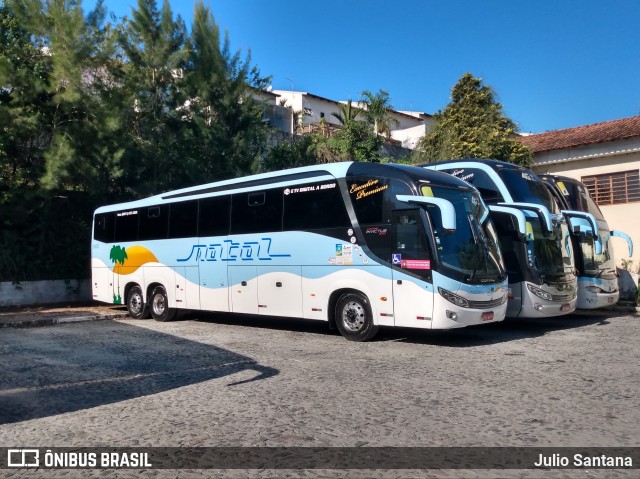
(154, 48)
(226, 134)
(299, 151)
(378, 111)
(472, 125)
(24, 103)
(347, 112)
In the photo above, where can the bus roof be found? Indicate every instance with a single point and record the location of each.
(494, 164)
(325, 172)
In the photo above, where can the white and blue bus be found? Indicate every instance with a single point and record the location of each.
(359, 245)
(533, 232)
(595, 262)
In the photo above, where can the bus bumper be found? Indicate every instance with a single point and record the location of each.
(590, 300)
(454, 316)
(536, 307)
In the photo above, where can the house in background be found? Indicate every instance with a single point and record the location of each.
(317, 111)
(606, 158)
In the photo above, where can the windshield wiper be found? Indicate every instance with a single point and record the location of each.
(600, 273)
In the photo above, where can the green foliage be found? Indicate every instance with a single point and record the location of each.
(355, 141)
(347, 112)
(378, 111)
(94, 111)
(473, 125)
(299, 151)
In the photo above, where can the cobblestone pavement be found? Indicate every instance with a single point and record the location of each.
(218, 380)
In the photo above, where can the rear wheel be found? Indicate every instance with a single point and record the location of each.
(353, 317)
(159, 305)
(136, 306)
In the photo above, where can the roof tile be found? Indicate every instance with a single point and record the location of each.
(583, 135)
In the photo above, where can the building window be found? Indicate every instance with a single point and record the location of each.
(614, 188)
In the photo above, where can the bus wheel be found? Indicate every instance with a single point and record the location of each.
(160, 309)
(353, 317)
(136, 306)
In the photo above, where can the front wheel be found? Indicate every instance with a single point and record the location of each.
(136, 306)
(353, 317)
(159, 305)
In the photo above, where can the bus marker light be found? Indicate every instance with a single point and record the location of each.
(565, 307)
(386, 315)
(487, 316)
(383, 298)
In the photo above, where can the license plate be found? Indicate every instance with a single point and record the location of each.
(610, 299)
(488, 316)
(565, 307)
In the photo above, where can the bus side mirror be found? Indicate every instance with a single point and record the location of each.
(625, 236)
(447, 210)
(517, 214)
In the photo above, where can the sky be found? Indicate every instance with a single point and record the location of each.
(553, 64)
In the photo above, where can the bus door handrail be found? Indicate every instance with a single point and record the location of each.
(445, 206)
(540, 210)
(519, 215)
(625, 236)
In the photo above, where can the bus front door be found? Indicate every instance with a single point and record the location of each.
(412, 295)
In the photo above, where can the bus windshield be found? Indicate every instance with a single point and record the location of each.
(473, 248)
(524, 187)
(579, 199)
(549, 255)
(598, 264)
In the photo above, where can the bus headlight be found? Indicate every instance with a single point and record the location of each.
(595, 289)
(453, 298)
(540, 293)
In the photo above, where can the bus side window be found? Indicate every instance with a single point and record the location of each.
(410, 240)
(213, 216)
(126, 226)
(153, 223)
(104, 227)
(183, 219)
(256, 212)
(318, 209)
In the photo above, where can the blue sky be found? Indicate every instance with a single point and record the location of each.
(554, 64)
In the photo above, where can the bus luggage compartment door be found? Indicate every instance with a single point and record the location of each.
(280, 291)
(243, 285)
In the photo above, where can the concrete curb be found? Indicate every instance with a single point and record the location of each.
(36, 323)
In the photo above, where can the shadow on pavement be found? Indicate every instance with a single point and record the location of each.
(508, 330)
(504, 331)
(50, 371)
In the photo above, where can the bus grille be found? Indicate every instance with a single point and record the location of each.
(563, 297)
(486, 304)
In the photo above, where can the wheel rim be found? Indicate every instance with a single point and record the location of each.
(159, 306)
(135, 303)
(353, 316)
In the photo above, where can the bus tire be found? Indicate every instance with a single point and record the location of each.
(353, 317)
(159, 305)
(136, 306)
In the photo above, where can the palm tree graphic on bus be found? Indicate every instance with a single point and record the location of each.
(117, 255)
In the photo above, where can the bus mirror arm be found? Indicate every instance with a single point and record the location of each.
(625, 236)
(446, 208)
(541, 211)
(586, 216)
(516, 213)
